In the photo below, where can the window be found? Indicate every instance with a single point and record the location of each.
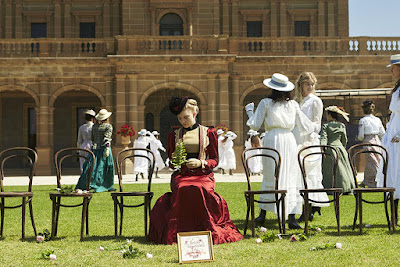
(254, 28)
(171, 24)
(87, 30)
(38, 30)
(302, 28)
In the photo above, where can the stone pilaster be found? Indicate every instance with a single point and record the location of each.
(57, 19)
(235, 104)
(106, 18)
(18, 19)
(274, 19)
(235, 18)
(224, 98)
(283, 19)
(115, 18)
(225, 17)
(67, 19)
(133, 100)
(216, 19)
(321, 18)
(331, 18)
(120, 103)
(211, 99)
(8, 19)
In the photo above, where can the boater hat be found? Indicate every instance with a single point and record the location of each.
(279, 82)
(339, 111)
(103, 115)
(394, 60)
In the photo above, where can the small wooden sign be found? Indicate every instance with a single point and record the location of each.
(195, 246)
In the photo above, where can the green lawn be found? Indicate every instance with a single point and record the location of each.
(376, 246)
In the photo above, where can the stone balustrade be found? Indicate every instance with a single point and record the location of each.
(223, 44)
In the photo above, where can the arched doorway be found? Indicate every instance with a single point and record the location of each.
(157, 104)
(171, 24)
(68, 116)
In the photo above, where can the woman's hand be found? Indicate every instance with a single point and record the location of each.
(193, 163)
(107, 152)
(395, 139)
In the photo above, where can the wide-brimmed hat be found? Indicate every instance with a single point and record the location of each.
(177, 104)
(90, 112)
(103, 115)
(220, 131)
(394, 60)
(279, 82)
(339, 111)
(229, 134)
(142, 132)
(155, 133)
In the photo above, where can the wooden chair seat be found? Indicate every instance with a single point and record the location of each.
(260, 192)
(126, 194)
(29, 158)
(374, 190)
(70, 195)
(326, 190)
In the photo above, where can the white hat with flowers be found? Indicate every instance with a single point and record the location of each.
(339, 110)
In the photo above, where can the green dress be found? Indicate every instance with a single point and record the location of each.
(103, 170)
(334, 134)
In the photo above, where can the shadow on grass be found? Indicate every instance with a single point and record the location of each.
(137, 239)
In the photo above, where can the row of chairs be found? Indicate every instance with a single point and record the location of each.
(29, 157)
(331, 153)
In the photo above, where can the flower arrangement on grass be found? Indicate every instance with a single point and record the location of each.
(127, 250)
(48, 255)
(43, 237)
(222, 127)
(126, 130)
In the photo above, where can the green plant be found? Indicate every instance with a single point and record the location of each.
(179, 155)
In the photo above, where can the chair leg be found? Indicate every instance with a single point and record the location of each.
(53, 218)
(84, 207)
(2, 205)
(121, 212)
(23, 216)
(32, 218)
(115, 216)
(146, 203)
(58, 205)
(247, 215)
(356, 209)
(386, 198)
(306, 212)
(283, 214)
(278, 215)
(87, 217)
(253, 224)
(360, 211)
(393, 212)
(337, 211)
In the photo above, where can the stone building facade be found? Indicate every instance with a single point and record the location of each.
(59, 57)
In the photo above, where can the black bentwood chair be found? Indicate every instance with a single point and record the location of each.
(388, 192)
(59, 158)
(329, 152)
(28, 156)
(268, 154)
(118, 197)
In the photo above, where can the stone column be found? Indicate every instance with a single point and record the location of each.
(153, 21)
(211, 99)
(57, 19)
(43, 148)
(18, 19)
(224, 98)
(109, 95)
(235, 18)
(67, 19)
(106, 19)
(225, 17)
(115, 18)
(235, 104)
(274, 19)
(321, 18)
(217, 17)
(283, 19)
(331, 18)
(8, 27)
(120, 104)
(1, 21)
(133, 100)
(141, 116)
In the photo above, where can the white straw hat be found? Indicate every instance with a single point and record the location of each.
(155, 133)
(339, 111)
(90, 112)
(103, 115)
(279, 82)
(220, 131)
(394, 60)
(142, 132)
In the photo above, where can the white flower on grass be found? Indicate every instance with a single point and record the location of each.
(52, 257)
(258, 241)
(123, 251)
(318, 229)
(39, 239)
(129, 241)
(263, 229)
(149, 256)
(101, 248)
(367, 226)
(338, 245)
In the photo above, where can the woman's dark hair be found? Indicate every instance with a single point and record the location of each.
(279, 96)
(368, 107)
(334, 115)
(88, 117)
(255, 141)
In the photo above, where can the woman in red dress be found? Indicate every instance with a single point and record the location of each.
(192, 205)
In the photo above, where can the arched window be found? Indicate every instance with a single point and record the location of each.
(171, 24)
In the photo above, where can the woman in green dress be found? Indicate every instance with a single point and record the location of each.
(103, 170)
(333, 133)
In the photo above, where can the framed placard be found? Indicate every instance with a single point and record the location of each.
(195, 246)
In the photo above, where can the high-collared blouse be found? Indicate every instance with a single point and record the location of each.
(370, 125)
(101, 134)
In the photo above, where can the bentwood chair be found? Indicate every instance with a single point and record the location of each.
(84, 198)
(388, 192)
(29, 161)
(119, 197)
(272, 154)
(311, 153)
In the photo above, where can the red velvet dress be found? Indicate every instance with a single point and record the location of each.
(193, 205)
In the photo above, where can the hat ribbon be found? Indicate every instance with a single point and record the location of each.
(278, 83)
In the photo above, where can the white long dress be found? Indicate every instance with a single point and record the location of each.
(255, 164)
(279, 119)
(84, 140)
(392, 130)
(221, 151)
(155, 145)
(312, 107)
(141, 164)
(228, 161)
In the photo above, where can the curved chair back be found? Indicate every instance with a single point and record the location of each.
(264, 152)
(367, 148)
(318, 150)
(25, 153)
(74, 152)
(132, 153)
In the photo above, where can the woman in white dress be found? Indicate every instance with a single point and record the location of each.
(280, 113)
(370, 130)
(155, 145)
(392, 137)
(141, 164)
(228, 161)
(85, 134)
(255, 164)
(221, 136)
(312, 106)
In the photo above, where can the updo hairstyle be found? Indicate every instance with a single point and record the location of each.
(368, 107)
(192, 105)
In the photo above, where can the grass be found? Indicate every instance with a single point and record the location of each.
(377, 246)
